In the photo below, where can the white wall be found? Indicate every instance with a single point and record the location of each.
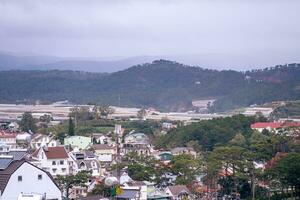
(47, 165)
(30, 184)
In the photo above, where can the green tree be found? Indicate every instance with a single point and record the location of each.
(27, 122)
(238, 140)
(231, 157)
(69, 181)
(46, 118)
(186, 167)
(101, 189)
(287, 171)
(71, 127)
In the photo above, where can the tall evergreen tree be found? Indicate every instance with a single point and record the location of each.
(71, 128)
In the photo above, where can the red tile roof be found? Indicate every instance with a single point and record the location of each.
(56, 152)
(4, 134)
(275, 159)
(275, 125)
(53, 152)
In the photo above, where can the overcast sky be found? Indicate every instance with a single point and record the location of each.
(256, 32)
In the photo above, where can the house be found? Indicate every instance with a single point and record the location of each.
(274, 126)
(4, 147)
(136, 138)
(8, 138)
(139, 148)
(54, 160)
(165, 156)
(168, 125)
(77, 192)
(136, 142)
(80, 142)
(138, 186)
(21, 179)
(105, 152)
(40, 140)
(15, 154)
(100, 138)
(183, 150)
(124, 177)
(84, 161)
(270, 126)
(23, 139)
(178, 192)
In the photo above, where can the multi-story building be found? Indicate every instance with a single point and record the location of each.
(54, 160)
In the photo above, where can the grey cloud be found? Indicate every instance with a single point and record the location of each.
(153, 27)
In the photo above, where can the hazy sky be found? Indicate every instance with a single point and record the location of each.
(258, 31)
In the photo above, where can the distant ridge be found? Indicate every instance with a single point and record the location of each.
(162, 84)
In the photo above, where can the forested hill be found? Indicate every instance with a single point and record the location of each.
(162, 84)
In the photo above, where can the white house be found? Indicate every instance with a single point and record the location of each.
(105, 152)
(8, 138)
(178, 192)
(40, 140)
(54, 160)
(82, 161)
(21, 180)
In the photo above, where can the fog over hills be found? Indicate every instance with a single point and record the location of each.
(27, 61)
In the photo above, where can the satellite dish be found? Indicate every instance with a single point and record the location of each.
(110, 181)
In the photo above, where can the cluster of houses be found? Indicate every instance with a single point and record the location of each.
(30, 164)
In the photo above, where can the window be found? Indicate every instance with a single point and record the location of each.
(19, 178)
(54, 170)
(53, 163)
(63, 169)
(40, 177)
(61, 162)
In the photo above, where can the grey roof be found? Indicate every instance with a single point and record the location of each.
(128, 194)
(178, 189)
(8, 157)
(4, 163)
(18, 155)
(88, 163)
(89, 154)
(102, 146)
(7, 172)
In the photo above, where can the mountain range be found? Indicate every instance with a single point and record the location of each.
(162, 84)
(219, 61)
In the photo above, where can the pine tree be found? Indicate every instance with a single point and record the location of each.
(71, 128)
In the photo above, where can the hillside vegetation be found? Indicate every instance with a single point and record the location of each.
(162, 84)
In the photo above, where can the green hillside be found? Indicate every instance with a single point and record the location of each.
(162, 84)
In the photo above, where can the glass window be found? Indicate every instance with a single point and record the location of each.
(61, 162)
(53, 163)
(19, 178)
(40, 177)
